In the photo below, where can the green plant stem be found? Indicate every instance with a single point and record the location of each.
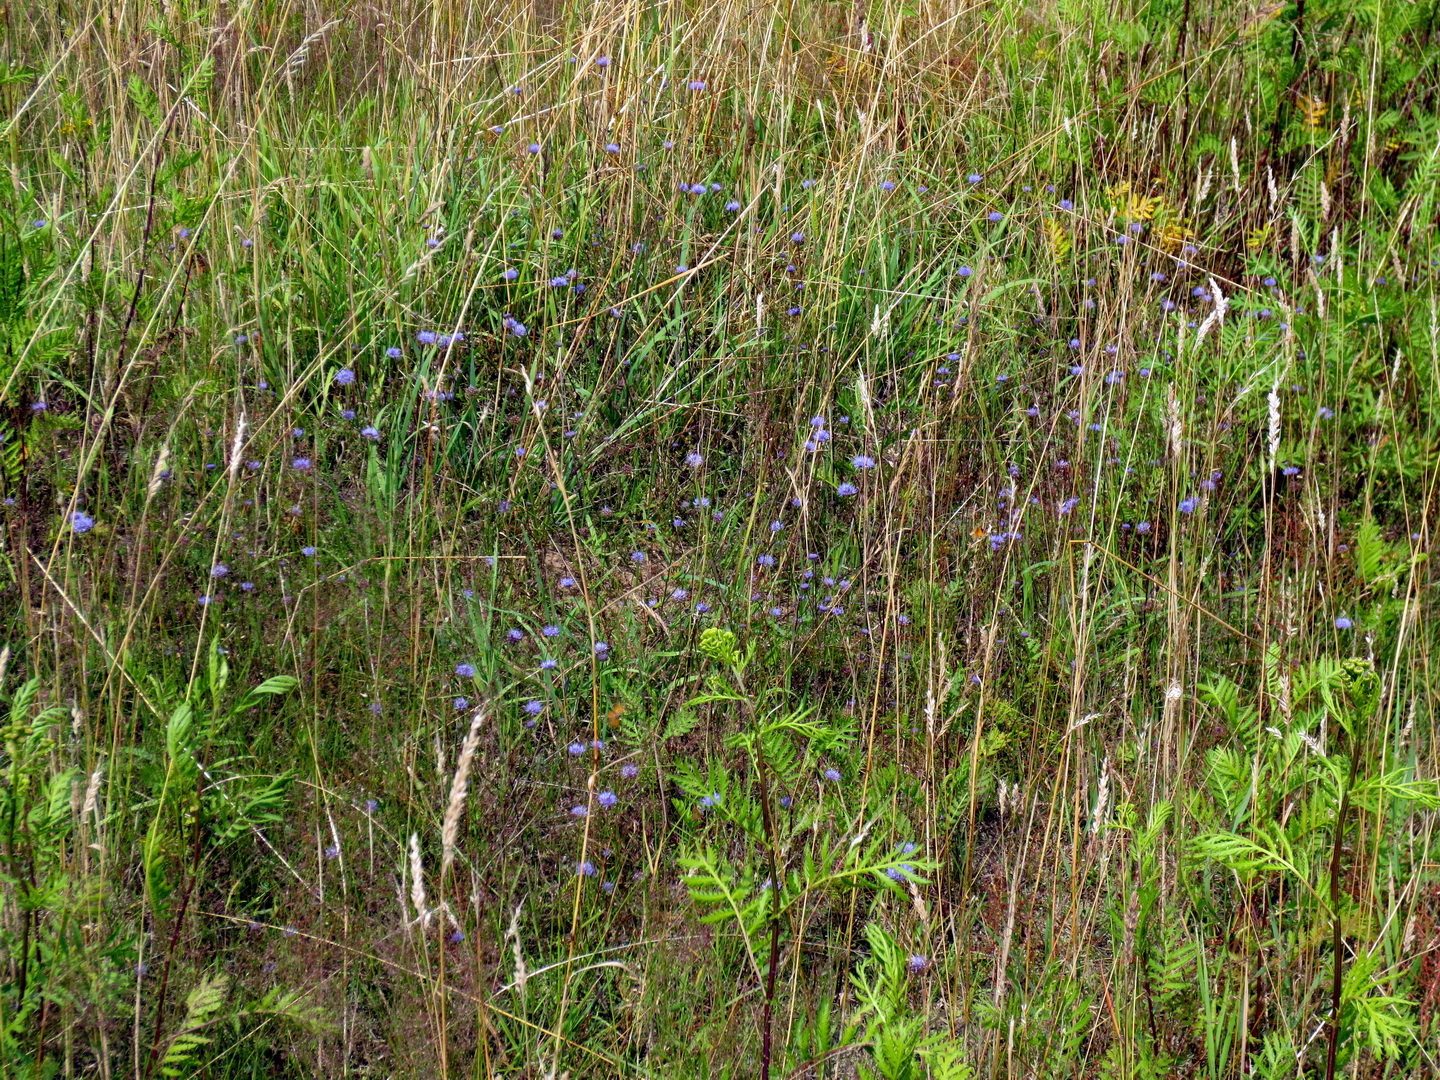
(1335, 929)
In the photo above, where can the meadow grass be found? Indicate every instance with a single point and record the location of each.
(703, 540)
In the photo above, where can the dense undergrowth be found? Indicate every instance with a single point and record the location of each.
(679, 539)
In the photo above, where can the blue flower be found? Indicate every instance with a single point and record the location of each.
(576, 749)
(301, 464)
(567, 583)
(81, 522)
(369, 431)
(344, 377)
(637, 556)
(833, 775)
(461, 703)
(974, 178)
(607, 799)
(694, 460)
(887, 185)
(1343, 623)
(1188, 504)
(219, 570)
(465, 671)
(862, 461)
(994, 216)
(534, 707)
(393, 352)
(308, 551)
(612, 148)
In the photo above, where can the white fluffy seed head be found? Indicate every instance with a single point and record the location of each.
(1274, 433)
(455, 808)
(417, 880)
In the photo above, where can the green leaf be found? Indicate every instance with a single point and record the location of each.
(1370, 550)
(274, 686)
(177, 731)
(680, 725)
(200, 1009)
(144, 99)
